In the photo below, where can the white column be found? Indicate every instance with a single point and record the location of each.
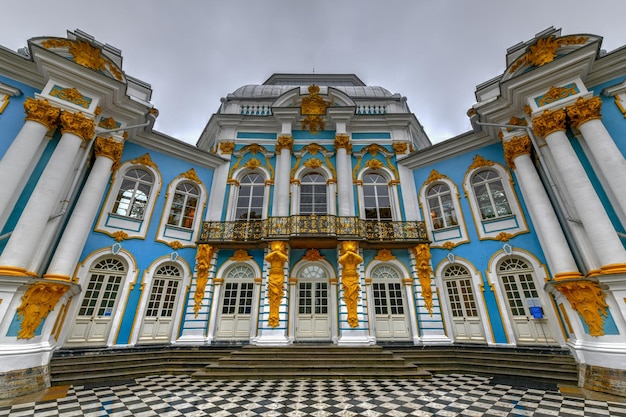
(283, 176)
(585, 115)
(344, 177)
(40, 117)
(16, 257)
(596, 222)
(549, 231)
(108, 151)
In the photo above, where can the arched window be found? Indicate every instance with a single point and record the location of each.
(313, 198)
(184, 205)
(517, 279)
(376, 201)
(133, 194)
(490, 195)
(387, 287)
(458, 283)
(441, 206)
(250, 198)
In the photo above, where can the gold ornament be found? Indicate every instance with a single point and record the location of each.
(144, 160)
(252, 163)
(400, 147)
(240, 255)
(480, 162)
(109, 148)
(424, 273)
(556, 94)
(227, 147)
(313, 255)
(587, 299)
(504, 236)
(108, 123)
(284, 142)
(120, 235)
(71, 95)
(434, 176)
(313, 163)
(349, 260)
(313, 107)
(275, 287)
(204, 255)
(384, 255)
(374, 164)
(37, 302)
(545, 50)
(342, 140)
(41, 111)
(190, 175)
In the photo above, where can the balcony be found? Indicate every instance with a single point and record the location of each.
(314, 231)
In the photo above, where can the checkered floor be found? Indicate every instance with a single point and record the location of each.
(444, 395)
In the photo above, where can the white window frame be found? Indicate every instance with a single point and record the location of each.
(235, 186)
(513, 224)
(394, 200)
(186, 236)
(110, 223)
(331, 189)
(454, 235)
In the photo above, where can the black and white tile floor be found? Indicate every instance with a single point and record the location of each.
(443, 395)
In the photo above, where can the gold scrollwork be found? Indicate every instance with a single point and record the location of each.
(545, 50)
(108, 123)
(313, 163)
(349, 260)
(374, 164)
(384, 255)
(284, 142)
(109, 148)
(37, 302)
(190, 175)
(400, 147)
(71, 95)
(584, 110)
(479, 162)
(312, 255)
(227, 147)
(587, 299)
(144, 160)
(275, 287)
(434, 176)
(78, 124)
(342, 140)
(41, 111)
(240, 255)
(252, 163)
(557, 93)
(549, 122)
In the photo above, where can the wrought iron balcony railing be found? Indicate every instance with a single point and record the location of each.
(313, 226)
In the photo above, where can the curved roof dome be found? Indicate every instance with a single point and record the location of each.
(254, 91)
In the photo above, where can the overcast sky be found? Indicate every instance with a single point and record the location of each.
(193, 52)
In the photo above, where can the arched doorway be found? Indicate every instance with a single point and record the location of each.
(313, 307)
(235, 309)
(390, 307)
(467, 326)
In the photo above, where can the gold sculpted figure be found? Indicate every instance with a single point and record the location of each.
(276, 258)
(350, 259)
(37, 302)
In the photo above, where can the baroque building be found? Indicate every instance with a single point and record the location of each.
(313, 208)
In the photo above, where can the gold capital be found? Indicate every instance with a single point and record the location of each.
(549, 122)
(342, 140)
(584, 109)
(587, 299)
(227, 147)
(78, 124)
(400, 147)
(41, 111)
(515, 147)
(109, 148)
(350, 259)
(37, 302)
(284, 142)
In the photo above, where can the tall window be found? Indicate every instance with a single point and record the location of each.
(387, 291)
(132, 197)
(376, 199)
(250, 199)
(490, 195)
(238, 290)
(313, 194)
(441, 207)
(184, 205)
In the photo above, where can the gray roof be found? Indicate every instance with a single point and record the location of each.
(254, 91)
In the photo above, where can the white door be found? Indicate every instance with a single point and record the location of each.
(516, 278)
(313, 322)
(235, 309)
(466, 321)
(99, 304)
(157, 323)
(391, 317)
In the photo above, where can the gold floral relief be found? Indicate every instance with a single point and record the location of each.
(109, 148)
(252, 163)
(434, 176)
(284, 142)
(144, 160)
(108, 123)
(349, 260)
(545, 50)
(313, 255)
(240, 255)
(71, 95)
(374, 164)
(41, 111)
(191, 175)
(342, 140)
(276, 257)
(37, 302)
(384, 255)
(120, 235)
(480, 162)
(400, 147)
(587, 299)
(227, 147)
(313, 163)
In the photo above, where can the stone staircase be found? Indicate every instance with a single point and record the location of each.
(83, 366)
(311, 362)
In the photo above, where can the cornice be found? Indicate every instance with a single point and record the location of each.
(20, 68)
